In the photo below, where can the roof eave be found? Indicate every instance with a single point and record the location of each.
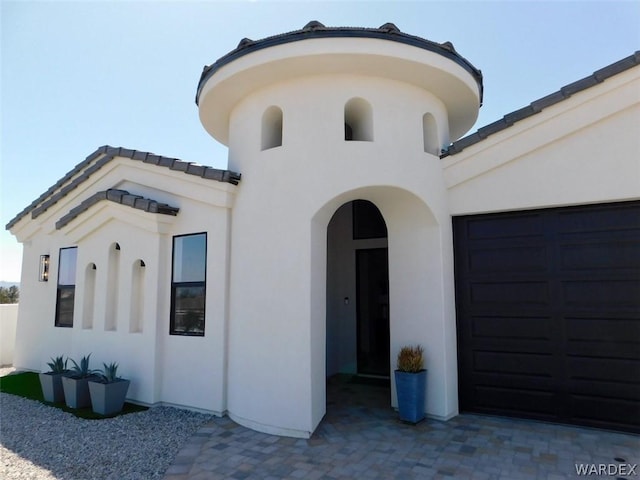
(315, 30)
(540, 104)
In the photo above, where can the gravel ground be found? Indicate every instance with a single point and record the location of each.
(42, 442)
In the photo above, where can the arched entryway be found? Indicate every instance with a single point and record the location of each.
(357, 298)
(420, 292)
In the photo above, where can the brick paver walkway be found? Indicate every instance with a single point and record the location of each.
(361, 438)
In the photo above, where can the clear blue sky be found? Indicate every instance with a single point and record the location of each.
(76, 76)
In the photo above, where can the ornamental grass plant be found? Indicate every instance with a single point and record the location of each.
(411, 359)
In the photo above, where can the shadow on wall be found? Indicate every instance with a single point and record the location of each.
(8, 322)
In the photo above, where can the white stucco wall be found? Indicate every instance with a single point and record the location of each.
(582, 150)
(8, 323)
(538, 162)
(277, 335)
(193, 368)
(428, 71)
(155, 361)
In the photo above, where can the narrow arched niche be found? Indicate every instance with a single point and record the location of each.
(113, 274)
(271, 128)
(89, 295)
(430, 134)
(136, 313)
(358, 120)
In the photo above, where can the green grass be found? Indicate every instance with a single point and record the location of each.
(27, 385)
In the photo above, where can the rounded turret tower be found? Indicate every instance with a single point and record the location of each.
(450, 86)
(332, 130)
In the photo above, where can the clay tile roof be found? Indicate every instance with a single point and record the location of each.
(315, 29)
(103, 155)
(537, 106)
(118, 196)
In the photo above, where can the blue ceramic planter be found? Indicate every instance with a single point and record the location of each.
(411, 389)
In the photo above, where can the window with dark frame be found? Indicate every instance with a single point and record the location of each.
(66, 291)
(188, 284)
(367, 221)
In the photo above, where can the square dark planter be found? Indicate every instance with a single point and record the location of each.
(108, 398)
(76, 391)
(51, 384)
(411, 389)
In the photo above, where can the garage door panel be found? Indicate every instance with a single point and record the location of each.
(531, 293)
(610, 218)
(530, 364)
(548, 310)
(623, 350)
(605, 389)
(513, 345)
(603, 369)
(607, 329)
(605, 255)
(522, 258)
(605, 412)
(492, 399)
(511, 327)
(601, 294)
(603, 337)
(537, 383)
(517, 226)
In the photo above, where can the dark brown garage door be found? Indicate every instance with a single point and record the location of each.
(548, 311)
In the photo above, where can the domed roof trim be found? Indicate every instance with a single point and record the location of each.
(315, 29)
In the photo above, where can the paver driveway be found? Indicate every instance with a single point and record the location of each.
(361, 438)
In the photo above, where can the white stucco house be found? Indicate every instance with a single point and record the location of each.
(356, 217)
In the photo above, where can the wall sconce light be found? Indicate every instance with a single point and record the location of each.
(44, 268)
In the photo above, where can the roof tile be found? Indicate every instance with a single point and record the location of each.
(126, 152)
(315, 30)
(138, 155)
(194, 169)
(141, 203)
(538, 105)
(180, 166)
(117, 196)
(153, 159)
(516, 116)
(492, 128)
(103, 155)
(129, 200)
(166, 162)
(580, 85)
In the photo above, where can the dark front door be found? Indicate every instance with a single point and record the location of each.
(548, 311)
(372, 284)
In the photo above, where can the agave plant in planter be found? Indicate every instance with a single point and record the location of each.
(108, 391)
(411, 384)
(76, 384)
(51, 381)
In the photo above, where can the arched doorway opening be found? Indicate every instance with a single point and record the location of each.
(357, 325)
(421, 296)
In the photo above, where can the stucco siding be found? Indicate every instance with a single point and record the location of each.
(310, 176)
(583, 150)
(116, 319)
(193, 368)
(8, 322)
